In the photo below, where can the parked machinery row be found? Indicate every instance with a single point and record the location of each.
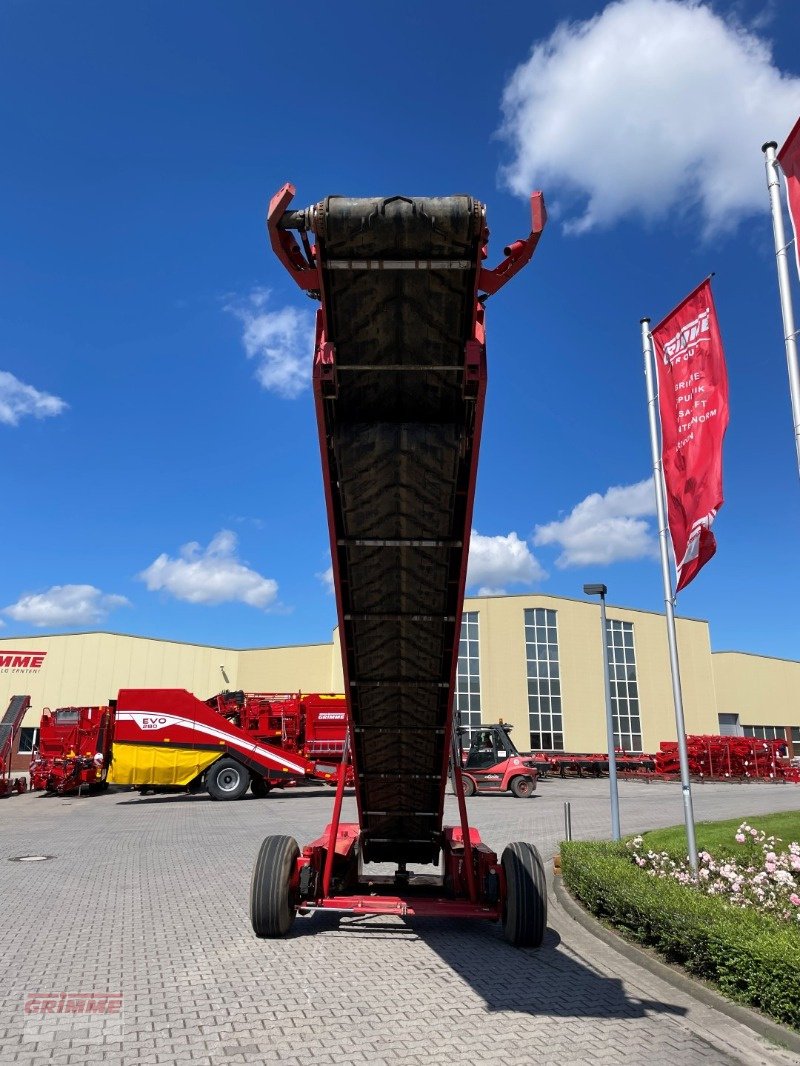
(159, 739)
(93, 746)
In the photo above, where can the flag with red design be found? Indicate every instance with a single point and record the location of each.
(789, 159)
(693, 401)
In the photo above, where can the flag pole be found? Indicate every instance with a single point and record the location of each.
(784, 288)
(669, 602)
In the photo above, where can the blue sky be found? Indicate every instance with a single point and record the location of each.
(142, 143)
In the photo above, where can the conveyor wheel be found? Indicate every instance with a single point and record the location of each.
(227, 779)
(525, 904)
(271, 894)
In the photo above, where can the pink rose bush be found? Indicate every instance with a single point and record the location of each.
(764, 875)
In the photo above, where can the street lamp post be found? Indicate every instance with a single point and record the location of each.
(601, 590)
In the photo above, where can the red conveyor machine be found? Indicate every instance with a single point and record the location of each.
(399, 383)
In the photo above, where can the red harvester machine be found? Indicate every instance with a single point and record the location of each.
(73, 749)
(9, 727)
(156, 739)
(399, 383)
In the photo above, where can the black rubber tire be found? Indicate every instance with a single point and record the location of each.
(525, 905)
(468, 786)
(259, 787)
(271, 901)
(227, 779)
(522, 787)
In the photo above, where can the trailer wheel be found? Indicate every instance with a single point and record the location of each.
(522, 787)
(259, 787)
(271, 896)
(227, 779)
(467, 785)
(525, 905)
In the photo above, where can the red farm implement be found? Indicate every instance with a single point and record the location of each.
(729, 759)
(9, 729)
(399, 383)
(629, 764)
(74, 744)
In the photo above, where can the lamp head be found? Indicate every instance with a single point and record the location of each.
(595, 590)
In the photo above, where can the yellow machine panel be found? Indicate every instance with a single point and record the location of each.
(154, 764)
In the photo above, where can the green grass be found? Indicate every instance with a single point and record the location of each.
(717, 837)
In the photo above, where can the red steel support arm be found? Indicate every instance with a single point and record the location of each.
(517, 254)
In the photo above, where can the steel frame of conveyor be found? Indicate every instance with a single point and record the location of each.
(9, 727)
(474, 878)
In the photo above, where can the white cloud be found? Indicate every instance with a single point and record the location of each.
(65, 605)
(18, 399)
(326, 577)
(210, 576)
(604, 529)
(495, 562)
(649, 107)
(281, 342)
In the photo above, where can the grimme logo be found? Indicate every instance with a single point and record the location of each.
(21, 662)
(153, 723)
(328, 716)
(681, 347)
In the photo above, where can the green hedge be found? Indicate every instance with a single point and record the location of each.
(752, 957)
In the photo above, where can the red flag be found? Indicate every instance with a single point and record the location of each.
(693, 399)
(789, 159)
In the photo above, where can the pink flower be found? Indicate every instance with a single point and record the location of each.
(740, 838)
(794, 899)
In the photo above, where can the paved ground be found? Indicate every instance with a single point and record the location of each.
(148, 899)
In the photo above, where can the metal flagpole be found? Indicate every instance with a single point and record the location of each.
(781, 259)
(669, 602)
(612, 753)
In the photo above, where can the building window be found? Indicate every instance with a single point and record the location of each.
(468, 676)
(624, 685)
(766, 732)
(796, 734)
(544, 680)
(729, 725)
(28, 739)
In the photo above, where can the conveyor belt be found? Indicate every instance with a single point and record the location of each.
(9, 724)
(400, 431)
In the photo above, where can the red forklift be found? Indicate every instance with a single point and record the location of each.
(492, 764)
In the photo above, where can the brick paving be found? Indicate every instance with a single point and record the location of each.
(149, 898)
